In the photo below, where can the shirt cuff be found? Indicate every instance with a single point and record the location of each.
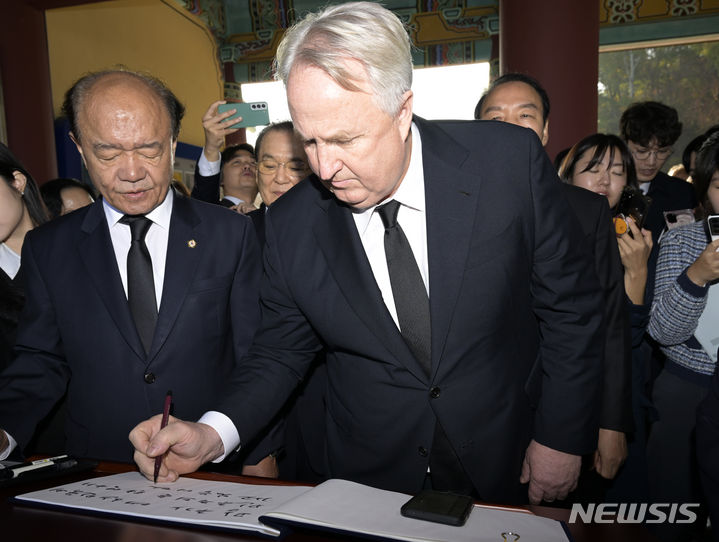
(207, 168)
(11, 446)
(225, 428)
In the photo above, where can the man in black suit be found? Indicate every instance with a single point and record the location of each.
(650, 129)
(233, 168)
(433, 364)
(80, 331)
(521, 100)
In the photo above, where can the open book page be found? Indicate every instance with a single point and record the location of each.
(202, 502)
(347, 506)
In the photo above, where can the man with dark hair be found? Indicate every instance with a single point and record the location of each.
(281, 164)
(650, 130)
(133, 295)
(62, 196)
(517, 104)
(520, 99)
(233, 168)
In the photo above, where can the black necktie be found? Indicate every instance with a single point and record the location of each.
(412, 303)
(410, 295)
(140, 281)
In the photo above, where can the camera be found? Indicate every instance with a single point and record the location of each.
(634, 203)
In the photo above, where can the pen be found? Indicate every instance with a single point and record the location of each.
(165, 417)
(59, 462)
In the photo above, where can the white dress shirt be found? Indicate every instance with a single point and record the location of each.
(207, 168)
(9, 260)
(411, 217)
(156, 241)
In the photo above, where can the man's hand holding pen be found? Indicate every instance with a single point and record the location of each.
(187, 446)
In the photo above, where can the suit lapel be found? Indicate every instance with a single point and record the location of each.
(345, 255)
(451, 195)
(98, 256)
(183, 257)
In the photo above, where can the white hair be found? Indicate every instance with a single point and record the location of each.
(362, 31)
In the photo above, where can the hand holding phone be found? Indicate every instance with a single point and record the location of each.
(251, 113)
(713, 223)
(631, 203)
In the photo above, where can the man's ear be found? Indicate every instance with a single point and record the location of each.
(545, 133)
(19, 181)
(404, 115)
(78, 147)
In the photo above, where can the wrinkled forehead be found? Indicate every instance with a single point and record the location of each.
(514, 94)
(121, 99)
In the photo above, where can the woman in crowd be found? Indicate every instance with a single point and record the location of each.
(688, 265)
(62, 196)
(21, 209)
(603, 164)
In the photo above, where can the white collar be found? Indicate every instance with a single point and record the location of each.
(160, 215)
(410, 191)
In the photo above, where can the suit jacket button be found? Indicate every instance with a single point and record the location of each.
(422, 451)
(435, 392)
(149, 378)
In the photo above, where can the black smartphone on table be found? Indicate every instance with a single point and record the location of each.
(439, 507)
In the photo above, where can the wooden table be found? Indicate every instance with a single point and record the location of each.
(25, 523)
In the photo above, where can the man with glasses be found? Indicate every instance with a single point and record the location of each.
(282, 163)
(234, 168)
(650, 129)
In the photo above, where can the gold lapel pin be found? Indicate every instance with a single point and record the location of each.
(192, 243)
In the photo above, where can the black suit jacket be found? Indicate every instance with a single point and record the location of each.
(668, 194)
(12, 299)
(207, 188)
(258, 220)
(595, 218)
(515, 306)
(76, 331)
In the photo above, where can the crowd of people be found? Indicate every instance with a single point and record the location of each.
(413, 304)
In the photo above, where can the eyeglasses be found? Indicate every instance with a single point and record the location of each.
(643, 154)
(293, 168)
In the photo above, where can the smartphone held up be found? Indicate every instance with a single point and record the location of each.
(632, 203)
(250, 113)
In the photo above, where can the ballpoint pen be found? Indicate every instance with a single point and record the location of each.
(163, 424)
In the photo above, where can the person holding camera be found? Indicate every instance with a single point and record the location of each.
(234, 168)
(687, 269)
(603, 164)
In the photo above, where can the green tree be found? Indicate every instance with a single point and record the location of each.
(685, 77)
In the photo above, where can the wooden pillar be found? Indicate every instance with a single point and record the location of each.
(25, 74)
(557, 43)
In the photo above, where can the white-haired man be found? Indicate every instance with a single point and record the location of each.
(432, 361)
